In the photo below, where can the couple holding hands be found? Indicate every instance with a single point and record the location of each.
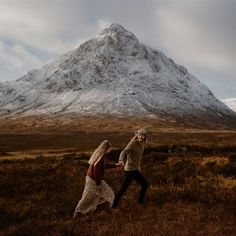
(97, 191)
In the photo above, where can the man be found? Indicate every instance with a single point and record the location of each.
(130, 157)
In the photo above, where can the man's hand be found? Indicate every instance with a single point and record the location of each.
(119, 164)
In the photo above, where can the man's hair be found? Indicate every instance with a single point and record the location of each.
(142, 131)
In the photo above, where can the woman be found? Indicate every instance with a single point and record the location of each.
(96, 190)
(130, 157)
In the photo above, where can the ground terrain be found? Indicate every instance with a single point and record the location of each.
(43, 163)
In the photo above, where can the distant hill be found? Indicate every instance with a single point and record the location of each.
(231, 103)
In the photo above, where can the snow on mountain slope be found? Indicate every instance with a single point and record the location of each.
(111, 74)
(231, 103)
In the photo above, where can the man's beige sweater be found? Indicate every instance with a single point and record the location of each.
(131, 155)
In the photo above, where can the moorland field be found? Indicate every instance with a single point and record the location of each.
(43, 164)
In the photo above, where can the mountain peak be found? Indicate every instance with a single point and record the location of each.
(119, 40)
(115, 28)
(117, 32)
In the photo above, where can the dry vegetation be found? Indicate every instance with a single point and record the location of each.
(191, 174)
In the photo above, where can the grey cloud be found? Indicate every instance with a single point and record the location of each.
(200, 34)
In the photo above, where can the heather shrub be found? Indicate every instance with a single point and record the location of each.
(38, 196)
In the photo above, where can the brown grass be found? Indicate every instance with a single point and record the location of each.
(192, 183)
(31, 134)
(186, 197)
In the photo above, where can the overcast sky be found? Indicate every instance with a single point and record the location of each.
(199, 34)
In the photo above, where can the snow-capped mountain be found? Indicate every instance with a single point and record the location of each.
(231, 103)
(112, 74)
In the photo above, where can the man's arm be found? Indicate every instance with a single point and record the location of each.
(110, 165)
(123, 157)
(125, 152)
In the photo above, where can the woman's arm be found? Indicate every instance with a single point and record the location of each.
(110, 165)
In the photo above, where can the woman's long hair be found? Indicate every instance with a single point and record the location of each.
(100, 151)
